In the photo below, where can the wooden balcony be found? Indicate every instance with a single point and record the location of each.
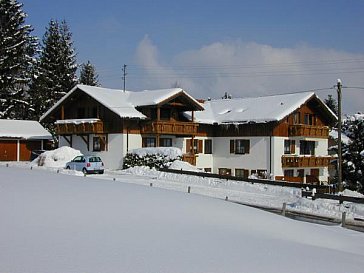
(305, 161)
(69, 128)
(189, 158)
(308, 131)
(169, 128)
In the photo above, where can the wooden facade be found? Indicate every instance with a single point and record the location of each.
(9, 149)
(169, 127)
(97, 127)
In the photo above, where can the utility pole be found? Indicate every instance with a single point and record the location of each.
(124, 75)
(339, 150)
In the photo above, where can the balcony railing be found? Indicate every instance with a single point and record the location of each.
(308, 131)
(305, 161)
(189, 158)
(69, 127)
(169, 128)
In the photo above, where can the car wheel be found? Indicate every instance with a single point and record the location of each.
(68, 168)
(101, 172)
(84, 170)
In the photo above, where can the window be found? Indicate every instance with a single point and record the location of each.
(239, 146)
(99, 143)
(289, 146)
(165, 114)
(307, 147)
(297, 118)
(208, 146)
(224, 171)
(242, 173)
(197, 146)
(262, 174)
(149, 142)
(207, 170)
(301, 173)
(310, 119)
(288, 173)
(165, 142)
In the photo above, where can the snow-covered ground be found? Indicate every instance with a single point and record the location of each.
(53, 222)
(243, 192)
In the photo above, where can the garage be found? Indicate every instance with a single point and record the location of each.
(18, 138)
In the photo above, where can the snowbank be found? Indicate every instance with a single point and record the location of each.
(170, 153)
(56, 158)
(185, 166)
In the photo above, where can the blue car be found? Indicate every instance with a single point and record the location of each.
(86, 164)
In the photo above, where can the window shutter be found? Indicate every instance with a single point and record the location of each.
(232, 146)
(247, 146)
(188, 145)
(293, 146)
(199, 146)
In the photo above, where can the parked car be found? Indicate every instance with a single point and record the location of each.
(86, 164)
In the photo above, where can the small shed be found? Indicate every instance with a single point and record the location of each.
(18, 138)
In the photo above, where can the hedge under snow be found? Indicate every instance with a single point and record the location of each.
(161, 157)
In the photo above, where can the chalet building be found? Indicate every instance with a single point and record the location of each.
(283, 136)
(110, 122)
(18, 138)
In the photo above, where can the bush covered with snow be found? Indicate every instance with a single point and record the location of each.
(56, 158)
(161, 157)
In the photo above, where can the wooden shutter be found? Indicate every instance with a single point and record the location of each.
(247, 146)
(199, 146)
(293, 146)
(232, 146)
(188, 145)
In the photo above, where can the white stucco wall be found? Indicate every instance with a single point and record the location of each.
(277, 152)
(258, 157)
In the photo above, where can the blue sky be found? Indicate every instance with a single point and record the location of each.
(211, 47)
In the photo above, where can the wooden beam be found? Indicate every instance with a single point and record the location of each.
(69, 140)
(62, 112)
(86, 139)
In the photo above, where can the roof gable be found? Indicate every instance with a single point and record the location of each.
(124, 103)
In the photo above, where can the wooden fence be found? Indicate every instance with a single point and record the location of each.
(319, 188)
(340, 198)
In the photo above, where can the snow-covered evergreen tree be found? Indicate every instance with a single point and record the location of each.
(353, 153)
(88, 75)
(56, 72)
(331, 103)
(17, 50)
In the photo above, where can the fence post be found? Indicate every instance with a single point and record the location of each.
(343, 219)
(189, 189)
(284, 209)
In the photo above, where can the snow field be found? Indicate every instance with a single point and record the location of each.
(52, 222)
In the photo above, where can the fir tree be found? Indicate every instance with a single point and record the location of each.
(88, 75)
(17, 51)
(56, 72)
(353, 153)
(331, 103)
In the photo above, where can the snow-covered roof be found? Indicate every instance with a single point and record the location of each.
(258, 109)
(23, 129)
(124, 103)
